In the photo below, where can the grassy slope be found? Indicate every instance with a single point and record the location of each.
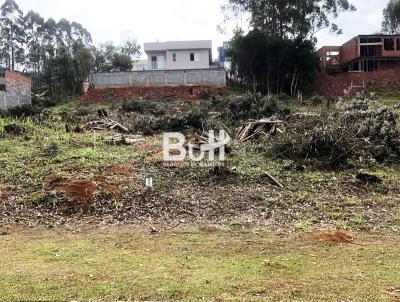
(196, 263)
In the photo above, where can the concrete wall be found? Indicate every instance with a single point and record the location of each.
(17, 90)
(208, 77)
(8, 101)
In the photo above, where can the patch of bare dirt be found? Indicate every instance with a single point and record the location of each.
(209, 229)
(330, 236)
(80, 191)
(123, 169)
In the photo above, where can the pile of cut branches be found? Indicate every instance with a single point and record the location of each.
(254, 130)
(104, 124)
(358, 131)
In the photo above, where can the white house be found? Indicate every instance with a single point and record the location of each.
(179, 55)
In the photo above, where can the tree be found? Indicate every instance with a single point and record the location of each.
(116, 58)
(34, 32)
(12, 34)
(130, 48)
(272, 64)
(65, 73)
(58, 56)
(391, 17)
(122, 62)
(292, 18)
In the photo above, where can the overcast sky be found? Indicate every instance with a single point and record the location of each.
(152, 20)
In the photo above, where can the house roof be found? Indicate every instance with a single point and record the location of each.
(177, 45)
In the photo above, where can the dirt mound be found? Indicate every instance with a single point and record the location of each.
(330, 236)
(80, 191)
(176, 92)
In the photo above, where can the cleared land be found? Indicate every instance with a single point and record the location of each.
(69, 198)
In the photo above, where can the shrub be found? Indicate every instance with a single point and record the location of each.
(24, 111)
(239, 108)
(136, 106)
(317, 100)
(152, 125)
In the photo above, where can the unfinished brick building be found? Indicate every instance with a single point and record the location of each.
(15, 89)
(364, 53)
(364, 60)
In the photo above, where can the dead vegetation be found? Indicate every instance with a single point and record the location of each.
(253, 130)
(356, 131)
(104, 124)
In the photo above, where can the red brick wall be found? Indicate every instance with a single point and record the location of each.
(332, 86)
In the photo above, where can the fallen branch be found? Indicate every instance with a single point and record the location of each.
(273, 180)
(124, 139)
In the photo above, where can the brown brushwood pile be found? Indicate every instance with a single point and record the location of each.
(254, 130)
(356, 131)
(104, 124)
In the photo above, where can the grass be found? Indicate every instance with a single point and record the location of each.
(195, 264)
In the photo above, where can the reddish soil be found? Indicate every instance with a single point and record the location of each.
(80, 191)
(330, 236)
(123, 169)
(153, 92)
(83, 191)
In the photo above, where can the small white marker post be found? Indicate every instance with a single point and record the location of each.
(94, 139)
(149, 183)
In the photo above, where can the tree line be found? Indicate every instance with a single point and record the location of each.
(58, 56)
(276, 56)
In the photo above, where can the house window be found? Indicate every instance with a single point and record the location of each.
(153, 62)
(174, 57)
(194, 57)
(389, 44)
